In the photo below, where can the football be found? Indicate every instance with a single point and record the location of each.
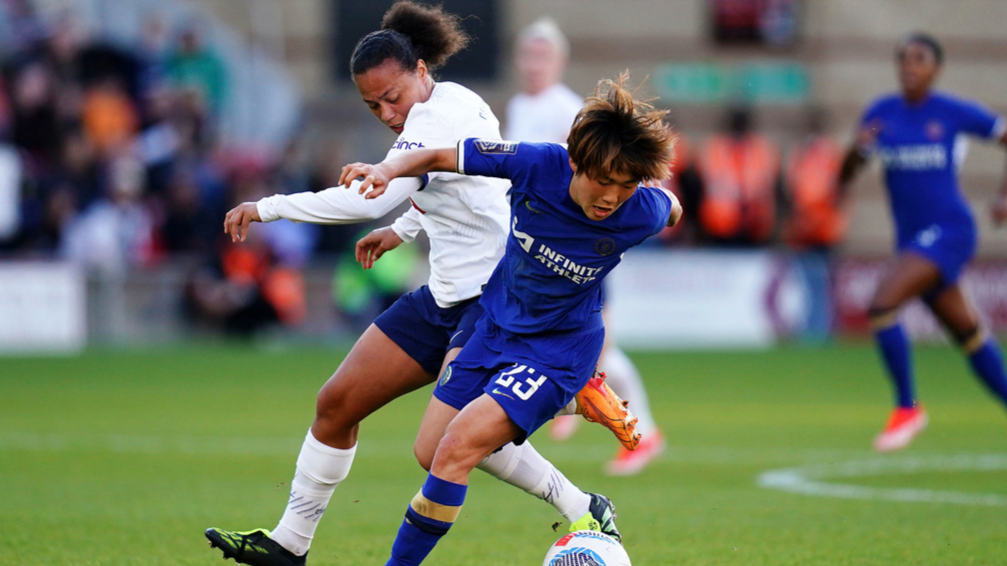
(586, 548)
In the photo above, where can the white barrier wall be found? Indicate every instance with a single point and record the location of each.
(659, 299)
(42, 308)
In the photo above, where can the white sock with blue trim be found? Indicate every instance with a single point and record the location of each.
(522, 466)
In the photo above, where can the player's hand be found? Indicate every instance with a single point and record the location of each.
(371, 247)
(999, 210)
(868, 135)
(373, 177)
(237, 220)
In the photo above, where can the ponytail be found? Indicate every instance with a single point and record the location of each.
(410, 32)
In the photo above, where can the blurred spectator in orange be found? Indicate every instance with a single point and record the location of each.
(740, 171)
(687, 186)
(244, 290)
(110, 119)
(816, 221)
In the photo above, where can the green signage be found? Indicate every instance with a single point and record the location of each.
(779, 83)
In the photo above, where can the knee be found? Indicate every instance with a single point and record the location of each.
(882, 317)
(450, 452)
(331, 406)
(424, 455)
(970, 339)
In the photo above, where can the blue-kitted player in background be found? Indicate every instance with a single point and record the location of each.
(573, 214)
(918, 135)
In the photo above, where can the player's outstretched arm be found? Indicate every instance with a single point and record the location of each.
(375, 178)
(856, 155)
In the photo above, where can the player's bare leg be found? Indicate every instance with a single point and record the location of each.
(481, 425)
(519, 465)
(375, 372)
(909, 276)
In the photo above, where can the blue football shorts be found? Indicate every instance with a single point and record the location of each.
(949, 247)
(531, 377)
(426, 331)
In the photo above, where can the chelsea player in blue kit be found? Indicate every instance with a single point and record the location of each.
(573, 214)
(918, 135)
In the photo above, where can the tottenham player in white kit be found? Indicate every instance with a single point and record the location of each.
(544, 112)
(406, 347)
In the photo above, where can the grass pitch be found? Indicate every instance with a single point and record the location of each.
(125, 458)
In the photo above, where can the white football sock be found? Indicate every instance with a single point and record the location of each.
(568, 409)
(522, 466)
(624, 379)
(320, 468)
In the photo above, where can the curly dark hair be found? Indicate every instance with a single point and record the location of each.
(925, 39)
(614, 132)
(410, 32)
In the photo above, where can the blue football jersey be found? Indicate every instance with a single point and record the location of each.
(921, 148)
(549, 279)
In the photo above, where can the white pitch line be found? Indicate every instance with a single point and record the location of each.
(287, 447)
(810, 480)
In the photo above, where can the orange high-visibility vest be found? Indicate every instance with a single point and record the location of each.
(284, 289)
(812, 177)
(108, 118)
(683, 159)
(739, 178)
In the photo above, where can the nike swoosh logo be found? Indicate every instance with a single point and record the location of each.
(496, 391)
(528, 204)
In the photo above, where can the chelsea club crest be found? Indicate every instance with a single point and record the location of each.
(444, 377)
(604, 246)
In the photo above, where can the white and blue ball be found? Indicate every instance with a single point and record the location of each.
(586, 548)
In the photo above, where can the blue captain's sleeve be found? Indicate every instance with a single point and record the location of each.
(503, 159)
(974, 118)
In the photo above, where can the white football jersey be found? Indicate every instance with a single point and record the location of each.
(465, 218)
(544, 117)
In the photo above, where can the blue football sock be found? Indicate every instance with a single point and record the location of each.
(428, 518)
(987, 363)
(894, 347)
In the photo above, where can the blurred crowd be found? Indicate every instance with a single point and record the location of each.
(111, 156)
(114, 156)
